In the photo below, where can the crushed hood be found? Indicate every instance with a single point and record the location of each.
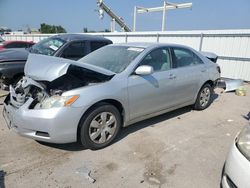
(48, 68)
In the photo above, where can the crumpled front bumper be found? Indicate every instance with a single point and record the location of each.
(55, 125)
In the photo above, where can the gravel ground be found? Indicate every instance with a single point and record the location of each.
(184, 148)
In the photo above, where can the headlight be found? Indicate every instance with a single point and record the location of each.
(243, 142)
(56, 101)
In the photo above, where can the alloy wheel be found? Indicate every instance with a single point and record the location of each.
(205, 96)
(102, 127)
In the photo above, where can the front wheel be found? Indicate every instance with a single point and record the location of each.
(100, 126)
(204, 97)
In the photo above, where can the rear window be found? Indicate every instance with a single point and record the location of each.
(184, 57)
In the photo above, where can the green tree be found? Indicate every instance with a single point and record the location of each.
(46, 28)
(86, 30)
(2, 30)
(107, 30)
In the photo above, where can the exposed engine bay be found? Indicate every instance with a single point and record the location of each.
(75, 77)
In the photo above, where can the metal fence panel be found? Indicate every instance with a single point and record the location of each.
(193, 42)
(232, 46)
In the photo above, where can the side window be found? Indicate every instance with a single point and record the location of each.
(11, 45)
(74, 51)
(96, 45)
(159, 59)
(16, 45)
(184, 57)
(21, 45)
(197, 60)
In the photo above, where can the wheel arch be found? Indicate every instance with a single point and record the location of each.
(113, 102)
(210, 82)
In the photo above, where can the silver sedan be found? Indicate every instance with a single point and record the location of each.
(89, 100)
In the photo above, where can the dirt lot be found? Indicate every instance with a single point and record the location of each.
(184, 148)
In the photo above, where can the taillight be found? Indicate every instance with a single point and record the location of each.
(218, 69)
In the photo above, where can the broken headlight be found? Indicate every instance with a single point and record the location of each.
(56, 101)
(243, 142)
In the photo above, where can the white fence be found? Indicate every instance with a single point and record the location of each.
(232, 46)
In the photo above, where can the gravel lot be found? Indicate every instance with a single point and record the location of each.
(184, 148)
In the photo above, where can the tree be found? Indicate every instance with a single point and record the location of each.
(4, 29)
(86, 30)
(107, 31)
(46, 28)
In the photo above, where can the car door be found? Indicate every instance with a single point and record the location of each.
(188, 71)
(151, 93)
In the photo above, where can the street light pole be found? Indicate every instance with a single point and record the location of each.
(163, 26)
(167, 6)
(135, 14)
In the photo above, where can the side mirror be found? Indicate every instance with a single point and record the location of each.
(144, 70)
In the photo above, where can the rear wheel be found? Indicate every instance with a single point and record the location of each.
(204, 97)
(100, 126)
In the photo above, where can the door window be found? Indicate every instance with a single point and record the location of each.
(159, 59)
(75, 51)
(96, 45)
(17, 45)
(184, 57)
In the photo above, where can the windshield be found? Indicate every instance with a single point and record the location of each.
(113, 58)
(1, 39)
(47, 46)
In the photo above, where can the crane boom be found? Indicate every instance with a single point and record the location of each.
(114, 17)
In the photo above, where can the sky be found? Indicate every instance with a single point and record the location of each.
(74, 15)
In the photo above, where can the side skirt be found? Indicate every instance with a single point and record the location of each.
(147, 116)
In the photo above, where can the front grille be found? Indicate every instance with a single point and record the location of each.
(230, 183)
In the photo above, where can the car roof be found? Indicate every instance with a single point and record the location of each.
(71, 37)
(149, 44)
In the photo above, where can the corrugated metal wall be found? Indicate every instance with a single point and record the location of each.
(232, 46)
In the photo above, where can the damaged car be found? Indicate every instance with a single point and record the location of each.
(90, 100)
(69, 46)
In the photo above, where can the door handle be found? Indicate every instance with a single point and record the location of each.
(172, 76)
(204, 70)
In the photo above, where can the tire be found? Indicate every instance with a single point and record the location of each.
(99, 127)
(204, 97)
